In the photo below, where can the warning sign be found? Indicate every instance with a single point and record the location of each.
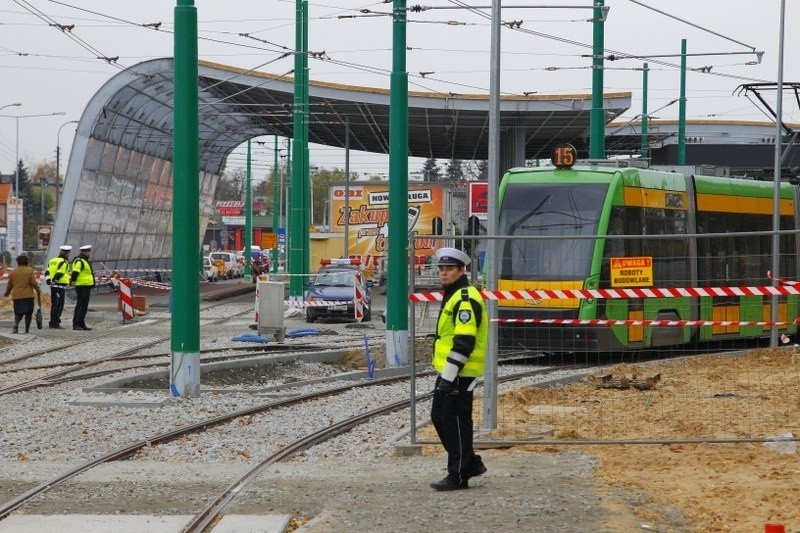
(631, 271)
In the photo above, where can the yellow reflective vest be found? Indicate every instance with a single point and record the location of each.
(58, 270)
(457, 318)
(82, 273)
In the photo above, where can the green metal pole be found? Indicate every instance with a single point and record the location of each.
(397, 272)
(288, 208)
(682, 109)
(248, 215)
(299, 236)
(645, 149)
(306, 226)
(276, 206)
(597, 116)
(185, 327)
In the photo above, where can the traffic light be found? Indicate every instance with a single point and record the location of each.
(473, 226)
(436, 226)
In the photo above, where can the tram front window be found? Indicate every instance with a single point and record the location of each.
(549, 210)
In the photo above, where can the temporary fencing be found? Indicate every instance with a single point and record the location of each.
(731, 391)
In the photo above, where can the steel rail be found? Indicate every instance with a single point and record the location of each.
(212, 513)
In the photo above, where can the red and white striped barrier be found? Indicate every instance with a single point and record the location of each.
(126, 298)
(152, 284)
(651, 292)
(782, 280)
(314, 303)
(358, 296)
(605, 322)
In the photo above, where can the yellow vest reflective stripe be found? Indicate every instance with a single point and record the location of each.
(450, 326)
(85, 274)
(58, 270)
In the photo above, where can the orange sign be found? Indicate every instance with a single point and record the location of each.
(367, 212)
(631, 271)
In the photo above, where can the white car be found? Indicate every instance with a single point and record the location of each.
(210, 272)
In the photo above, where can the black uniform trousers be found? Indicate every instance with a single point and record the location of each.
(57, 297)
(81, 306)
(451, 414)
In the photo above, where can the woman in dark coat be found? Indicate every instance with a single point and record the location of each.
(22, 287)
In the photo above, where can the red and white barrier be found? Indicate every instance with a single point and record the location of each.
(649, 292)
(315, 303)
(152, 284)
(605, 322)
(358, 296)
(126, 298)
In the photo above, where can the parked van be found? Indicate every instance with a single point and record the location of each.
(227, 264)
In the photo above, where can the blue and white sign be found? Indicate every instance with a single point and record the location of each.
(282, 236)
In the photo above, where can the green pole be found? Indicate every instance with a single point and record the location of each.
(276, 206)
(298, 237)
(248, 215)
(597, 116)
(185, 327)
(305, 228)
(288, 207)
(397, 274)
(682, 109)
(645, 149)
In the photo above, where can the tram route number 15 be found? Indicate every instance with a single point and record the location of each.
(564, 156)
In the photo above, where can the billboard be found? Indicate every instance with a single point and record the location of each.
(15, 225)
(479, 199)
(368, 216)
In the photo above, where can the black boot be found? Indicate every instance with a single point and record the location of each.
(450, 483)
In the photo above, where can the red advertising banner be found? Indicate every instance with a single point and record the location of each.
(479, 199)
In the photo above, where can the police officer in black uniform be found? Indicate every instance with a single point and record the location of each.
(458, 357)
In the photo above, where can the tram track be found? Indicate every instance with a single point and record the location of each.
(208, 515)
(52, 378)
(100, 335)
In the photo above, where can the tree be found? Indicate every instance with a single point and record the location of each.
(31, 211)
(321, 180)
(231, 185)
(477, 170)
(455, 170)
(430, 170)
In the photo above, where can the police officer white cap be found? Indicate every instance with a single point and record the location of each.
(451, 256)
(65, 248)
(86, 247)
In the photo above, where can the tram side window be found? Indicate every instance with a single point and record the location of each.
(670, 255)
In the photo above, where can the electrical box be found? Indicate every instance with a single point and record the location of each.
(269, 307)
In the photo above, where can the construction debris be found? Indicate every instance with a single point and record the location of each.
(608, 381)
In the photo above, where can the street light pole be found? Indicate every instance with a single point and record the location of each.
(58, 161)
(17, 230)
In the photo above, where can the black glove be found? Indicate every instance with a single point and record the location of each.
(47, 280)
(447, 387)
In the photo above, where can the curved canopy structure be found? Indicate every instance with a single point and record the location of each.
(118, 186)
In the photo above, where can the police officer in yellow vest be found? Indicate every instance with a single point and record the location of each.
(82, 278)
(58, 276)
(458, 357)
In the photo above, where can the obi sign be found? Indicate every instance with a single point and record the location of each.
(631, 271)
(365, 209)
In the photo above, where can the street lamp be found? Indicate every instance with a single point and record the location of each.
(58, 159)
(17, 104)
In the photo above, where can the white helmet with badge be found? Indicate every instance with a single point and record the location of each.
(451, 256)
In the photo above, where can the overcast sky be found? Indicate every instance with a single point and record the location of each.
(49, 70)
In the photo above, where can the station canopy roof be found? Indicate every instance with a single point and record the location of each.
(237, 104)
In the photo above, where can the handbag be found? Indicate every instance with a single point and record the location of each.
(39, 318)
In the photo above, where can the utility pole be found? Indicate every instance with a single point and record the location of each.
(185, 333)
(597, 116)
(397, 275)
